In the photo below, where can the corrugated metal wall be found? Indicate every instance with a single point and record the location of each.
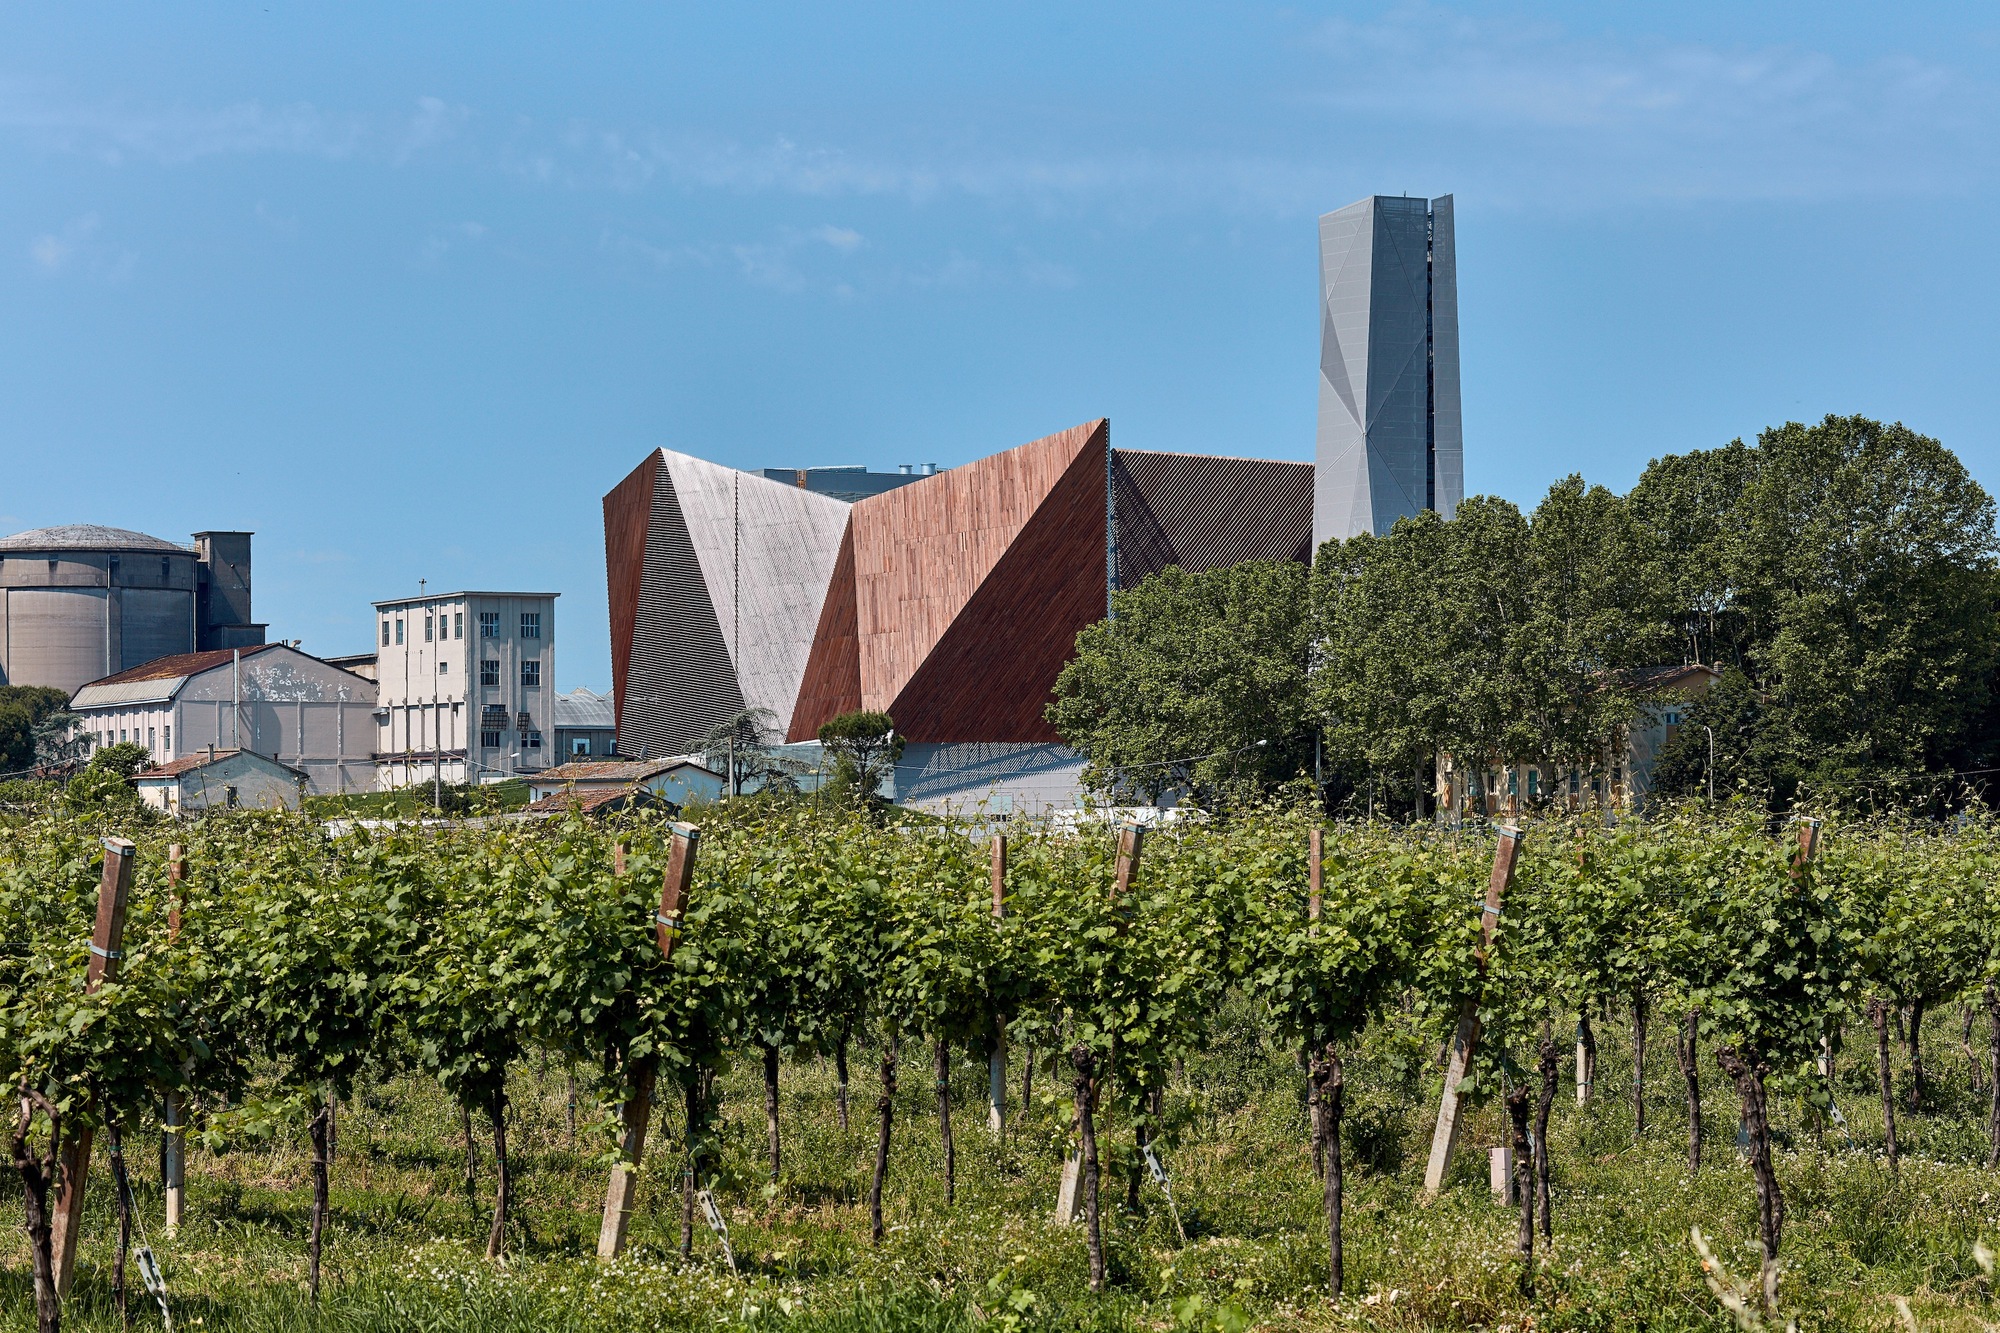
(679, 682)
(1200, 511)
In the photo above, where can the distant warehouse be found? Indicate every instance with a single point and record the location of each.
(81, 602)
(267, 699)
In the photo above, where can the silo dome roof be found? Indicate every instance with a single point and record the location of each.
(87, 537)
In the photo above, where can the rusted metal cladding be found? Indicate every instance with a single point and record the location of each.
(1198, 511)
(832, 681)
(627, 511)
(969, 589)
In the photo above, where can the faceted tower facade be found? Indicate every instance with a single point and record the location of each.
(1390, 439)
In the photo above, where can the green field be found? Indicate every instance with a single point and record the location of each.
(406, 1237)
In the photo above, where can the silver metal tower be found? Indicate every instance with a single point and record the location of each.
(1391, 441)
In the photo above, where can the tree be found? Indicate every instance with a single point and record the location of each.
(1195, 681)
(1490, 636)
(865, 748)
(740, 746)
(26, 712)
(1847, 571)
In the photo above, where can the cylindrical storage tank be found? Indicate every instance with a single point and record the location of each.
(81, 602)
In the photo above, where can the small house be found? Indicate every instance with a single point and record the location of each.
(680, 779)
(214, 779)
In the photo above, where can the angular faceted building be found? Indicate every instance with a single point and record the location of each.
(956, 601)
(951, 602)
(710, 573)
(1390, 437)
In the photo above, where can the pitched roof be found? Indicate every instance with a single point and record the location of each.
(1670, 677)
(615, 770)
(180, 664)
(188, 763)
(591, 802)
(584, 708)
(88, 537)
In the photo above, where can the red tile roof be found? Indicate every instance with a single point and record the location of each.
(187, 763)
(591, 801)
(180, 664)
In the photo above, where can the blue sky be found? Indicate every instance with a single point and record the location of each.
(406, 288)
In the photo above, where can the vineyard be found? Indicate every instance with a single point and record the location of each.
(790, 1070)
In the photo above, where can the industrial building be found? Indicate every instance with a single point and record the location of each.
(950, 602)
(1391, 440)
(586, 726)
(467, 686)
(266, 699)
(81, 602)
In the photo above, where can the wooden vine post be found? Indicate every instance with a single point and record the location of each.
(1465, 1042)
(996, 1061)
(107, 944)
(1315, 874)
(638, 1109)
(1131, 838)
(173, 1143)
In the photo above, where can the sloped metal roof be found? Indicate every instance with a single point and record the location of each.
(584, 708)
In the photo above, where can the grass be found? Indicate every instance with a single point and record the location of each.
(404, 1245)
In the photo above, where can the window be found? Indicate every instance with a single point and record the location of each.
(427, 627)
(489, 672)
(443, 667)
(531, 740)
(531, 675)
(458, 624)
(385, 631)
(121, 735)
(167, 740)
(489, 624)
(152, 737)
(531, 624)
(579, 745)
(399, 629)
(1534, 783)
(489, 740)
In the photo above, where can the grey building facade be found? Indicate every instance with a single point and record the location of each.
(1391, 439)
(270, 699)
(80, 602)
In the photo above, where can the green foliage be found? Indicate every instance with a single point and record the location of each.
(123, 759)
(1494, 637)
(1195, 682)
(1846, 571)
(865, 748)
(26, 712)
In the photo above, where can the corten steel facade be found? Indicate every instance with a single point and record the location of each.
(950, 603)
(1391, 441)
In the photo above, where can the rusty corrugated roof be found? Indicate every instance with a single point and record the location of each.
(180, 664)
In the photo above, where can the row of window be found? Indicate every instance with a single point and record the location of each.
(491, 740)
(435, 626)
(531, 674)
(104, 738)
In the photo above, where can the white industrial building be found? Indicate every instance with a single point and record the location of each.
(467, 686)
(270, 699)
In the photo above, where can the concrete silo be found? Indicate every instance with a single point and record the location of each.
(80, 602)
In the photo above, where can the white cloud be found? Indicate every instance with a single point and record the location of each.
(1522, 108)
(844, 239)
(434, 123)
(73, 247)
